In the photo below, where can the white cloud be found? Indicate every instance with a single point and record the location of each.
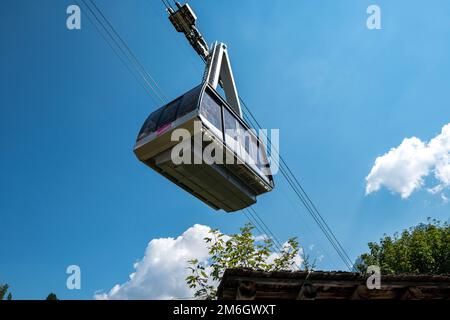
(297, 260)
(403, 169)
(161, 273)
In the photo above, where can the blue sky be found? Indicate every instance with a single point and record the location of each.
(72, 191)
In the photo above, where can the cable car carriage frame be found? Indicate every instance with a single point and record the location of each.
(209, 119)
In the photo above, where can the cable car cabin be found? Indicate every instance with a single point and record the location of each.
(228, 185)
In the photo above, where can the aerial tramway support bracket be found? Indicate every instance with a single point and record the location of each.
(184, 19)
(218, 72)
(218, 67)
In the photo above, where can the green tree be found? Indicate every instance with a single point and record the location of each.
(52, 296)
(4, 292)
(423, 249)
(240, 250)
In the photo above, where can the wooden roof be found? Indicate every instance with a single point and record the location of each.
(247, 284)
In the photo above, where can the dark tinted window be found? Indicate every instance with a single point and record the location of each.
(189, 102)
(169, 113)
(150, 124)
(251, 145)
(212, 111)
(262, 157)
(233, 128)
(229, 122)
(263, 162)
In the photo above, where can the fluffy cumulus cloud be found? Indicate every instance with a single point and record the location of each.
(162, 271)
(403, 169)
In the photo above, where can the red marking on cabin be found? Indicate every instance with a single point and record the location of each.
(163, 129)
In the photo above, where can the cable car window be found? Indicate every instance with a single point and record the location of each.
(212, 111)
(189, 102)
(242, 137)
(251, 146)
(230, 125)
(234, 134)
(263, 162)
(169, 113)
(150, 124)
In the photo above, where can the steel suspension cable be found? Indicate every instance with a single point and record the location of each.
(104, 33)
(305, 199)
(121, 43)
